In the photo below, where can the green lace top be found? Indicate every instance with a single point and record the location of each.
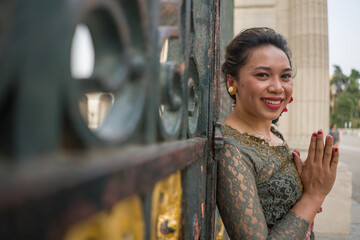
(258, 184)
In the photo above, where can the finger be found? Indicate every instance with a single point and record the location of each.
(298, 162)
(298, 153)
(334, 160)
(311, 153)
(328, 150)
(319, 152)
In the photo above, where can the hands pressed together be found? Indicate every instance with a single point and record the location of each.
(318, 172)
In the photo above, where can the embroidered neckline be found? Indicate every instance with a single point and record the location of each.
(246, 138)
(259, 139)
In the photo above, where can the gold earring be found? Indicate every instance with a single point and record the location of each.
(232, 90)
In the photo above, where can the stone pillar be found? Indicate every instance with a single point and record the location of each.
(308, 38)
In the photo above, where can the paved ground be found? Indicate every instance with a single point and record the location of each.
(350, 154)
(354, 228)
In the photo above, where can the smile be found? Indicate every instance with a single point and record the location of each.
(272, 103)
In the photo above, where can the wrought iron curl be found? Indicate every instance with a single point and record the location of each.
(121, 48)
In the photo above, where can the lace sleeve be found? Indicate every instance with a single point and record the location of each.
(239, 204)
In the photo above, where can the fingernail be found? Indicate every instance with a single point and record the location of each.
(291, 99)
(314, 134)
(320, 132)
(336, 149)
(293, 155)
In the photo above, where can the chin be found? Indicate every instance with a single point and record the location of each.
(273, 117)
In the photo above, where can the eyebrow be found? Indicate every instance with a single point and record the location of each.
(269, 69)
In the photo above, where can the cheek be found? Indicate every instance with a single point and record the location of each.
(288, 89)
(253, 85)
(251, 90)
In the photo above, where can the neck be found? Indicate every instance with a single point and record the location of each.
(261, 127)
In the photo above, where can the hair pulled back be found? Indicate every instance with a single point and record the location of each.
(239, 49)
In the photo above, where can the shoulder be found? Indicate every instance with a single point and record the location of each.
(235, 143)
(231, 135)
(244, 148)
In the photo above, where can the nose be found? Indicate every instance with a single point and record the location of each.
(275, 85)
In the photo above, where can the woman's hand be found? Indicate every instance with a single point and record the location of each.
(300, 166)
(298, 162)
(318, 173)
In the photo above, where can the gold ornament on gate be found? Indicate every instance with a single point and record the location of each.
(166, 208)
(124, 221)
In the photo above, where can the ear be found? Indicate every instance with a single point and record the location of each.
(230, 81)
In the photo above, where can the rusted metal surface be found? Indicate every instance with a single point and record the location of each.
(131, 170)
(75, 146)
(76, 188)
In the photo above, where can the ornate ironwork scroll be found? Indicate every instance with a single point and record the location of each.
(120, 48)
(173, 60)
(100, 102)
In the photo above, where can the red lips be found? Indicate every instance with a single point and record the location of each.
(272, 106)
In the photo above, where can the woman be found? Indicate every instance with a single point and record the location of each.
(264, 191)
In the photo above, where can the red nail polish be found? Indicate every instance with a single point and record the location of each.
(336, 149)
(319, 132)
(291, 99)
(293, 155)
(314, 135)
(285, 109)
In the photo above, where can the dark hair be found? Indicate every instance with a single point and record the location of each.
(239, 49)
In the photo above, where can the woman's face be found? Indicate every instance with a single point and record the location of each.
(264, 84)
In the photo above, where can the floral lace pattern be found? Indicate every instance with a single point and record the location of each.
(257, 186)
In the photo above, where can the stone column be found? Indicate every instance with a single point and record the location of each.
(308, 38)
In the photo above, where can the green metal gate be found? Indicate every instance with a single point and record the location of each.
(123, 149)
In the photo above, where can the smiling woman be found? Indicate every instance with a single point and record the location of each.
(264, 191)
(266, 84)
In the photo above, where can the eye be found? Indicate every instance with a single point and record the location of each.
(286, 76)
(262, 75)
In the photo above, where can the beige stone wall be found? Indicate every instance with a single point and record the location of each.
(254, 14)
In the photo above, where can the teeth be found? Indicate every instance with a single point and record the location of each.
(271, 102)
